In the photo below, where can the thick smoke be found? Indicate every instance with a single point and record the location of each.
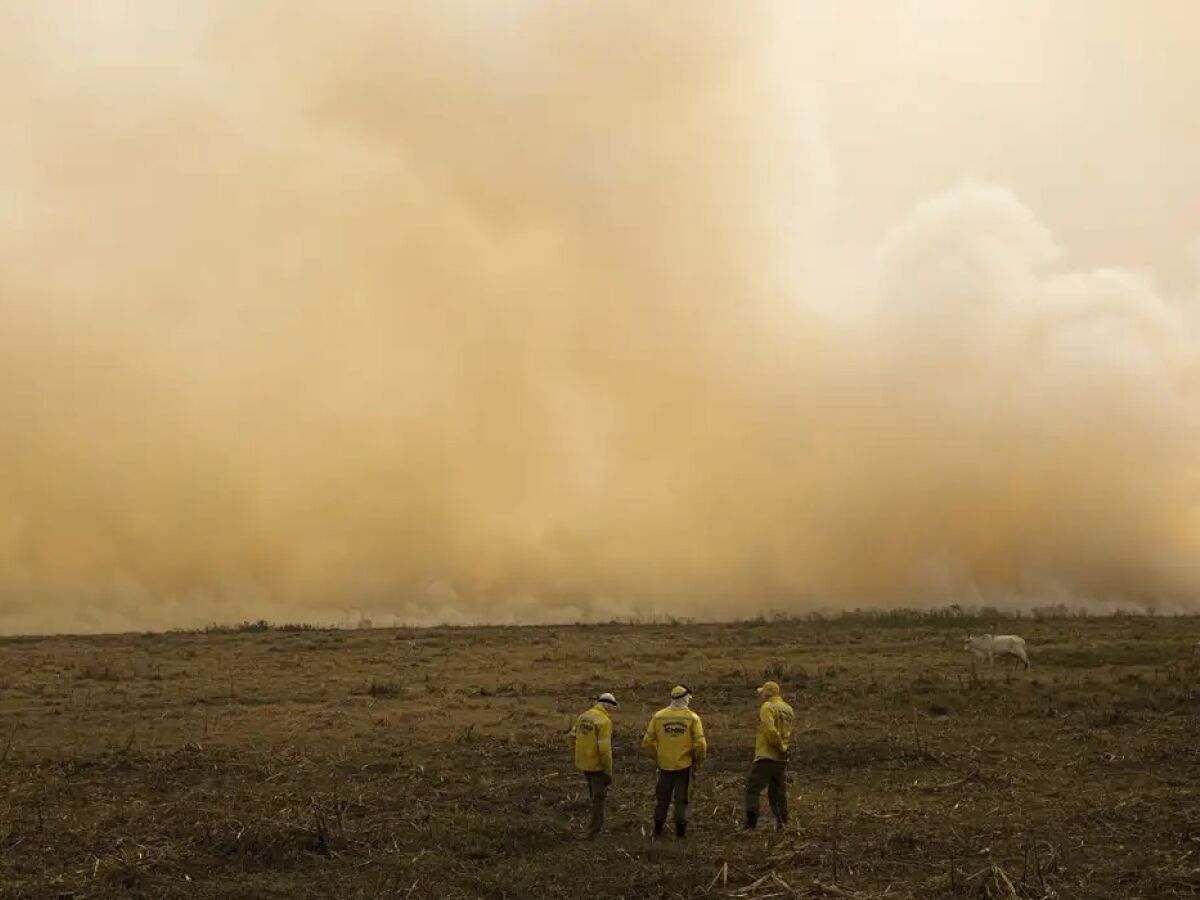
(527, 311)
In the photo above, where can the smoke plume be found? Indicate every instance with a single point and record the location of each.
(532, 311)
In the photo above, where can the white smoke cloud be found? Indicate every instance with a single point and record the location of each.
(520, 313)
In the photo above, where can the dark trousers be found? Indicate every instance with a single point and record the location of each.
(597, 783)
(772, 775)
(672, 785)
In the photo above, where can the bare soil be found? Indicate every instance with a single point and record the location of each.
(432, 763)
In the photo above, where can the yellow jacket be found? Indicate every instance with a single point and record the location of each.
(675, 738)
(774, 729)
(591, 741)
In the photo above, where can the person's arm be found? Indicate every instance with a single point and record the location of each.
(766, 722)
(604, 745)
(571, 737)
(650, 740)
(699, 743)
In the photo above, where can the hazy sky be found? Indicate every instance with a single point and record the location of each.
(526, 311)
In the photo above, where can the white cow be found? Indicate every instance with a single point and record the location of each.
(989, 646)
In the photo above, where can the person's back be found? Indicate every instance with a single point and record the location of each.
(678, 738)
(774, 735)
(593, 740)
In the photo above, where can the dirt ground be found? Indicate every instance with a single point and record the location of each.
(432, 763)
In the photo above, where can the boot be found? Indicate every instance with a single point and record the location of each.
(658, 827)
(781, 823)
(751, 819)
(681, 830)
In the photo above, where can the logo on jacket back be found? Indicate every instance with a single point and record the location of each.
(585, 726)
(674, 729)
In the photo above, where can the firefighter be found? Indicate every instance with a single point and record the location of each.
(675, 738)
(591, 747)
(771, 745)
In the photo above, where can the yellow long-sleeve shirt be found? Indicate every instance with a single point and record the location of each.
(591, 741)
(675, 738)
(774, 735)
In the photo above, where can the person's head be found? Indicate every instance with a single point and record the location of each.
(768, 690)
(607, 702)
(681, 695)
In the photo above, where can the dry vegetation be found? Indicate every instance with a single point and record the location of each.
(431, 763)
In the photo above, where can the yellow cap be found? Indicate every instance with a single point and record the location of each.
(679, 691)
(770, 689)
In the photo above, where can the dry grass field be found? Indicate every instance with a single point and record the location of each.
(431, 763)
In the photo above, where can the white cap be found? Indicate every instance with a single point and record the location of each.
(607, 698)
